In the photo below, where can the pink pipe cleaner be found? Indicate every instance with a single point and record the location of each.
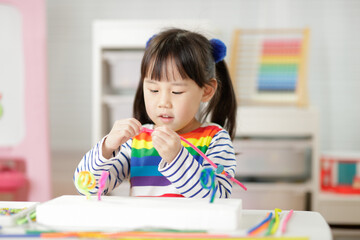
(102, 182)
(286, 220)
(205, 157)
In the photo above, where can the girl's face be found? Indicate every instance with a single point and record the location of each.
(174, 101)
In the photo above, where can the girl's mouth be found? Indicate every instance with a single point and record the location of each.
(166, 118)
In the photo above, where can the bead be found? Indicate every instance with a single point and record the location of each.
(219, 169)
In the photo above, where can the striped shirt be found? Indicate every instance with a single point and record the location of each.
(149, 175)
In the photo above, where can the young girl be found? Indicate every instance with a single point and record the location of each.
(184, 81)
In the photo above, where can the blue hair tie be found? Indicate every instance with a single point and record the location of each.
(218, 49)
(148, 41)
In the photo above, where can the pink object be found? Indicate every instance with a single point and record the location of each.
(34, 147)
(12, 179)
(286, 220)
(329, 173)
(205, 157)
(102, 182)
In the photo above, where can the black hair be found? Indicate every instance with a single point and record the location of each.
(192, 54)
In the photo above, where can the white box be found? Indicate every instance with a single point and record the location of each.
(124, 68)
(273, 159)
(120, 107)
(7, 221)
(129, 213)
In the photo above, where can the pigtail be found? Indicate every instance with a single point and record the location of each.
(223, 105)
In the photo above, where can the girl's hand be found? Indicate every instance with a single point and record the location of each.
(166, 142)
(122, 131)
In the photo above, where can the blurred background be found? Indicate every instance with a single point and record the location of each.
(333, 75)
(301, 144)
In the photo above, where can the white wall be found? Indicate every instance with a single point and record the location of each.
(334, 66)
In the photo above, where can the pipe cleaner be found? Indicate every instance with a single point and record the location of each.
(254, 229)
(85, 181)
(286, 220)
(277, 221)
(271, 224)
(207, 180)
(102, 183)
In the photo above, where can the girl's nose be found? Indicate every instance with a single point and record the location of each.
(165, 101)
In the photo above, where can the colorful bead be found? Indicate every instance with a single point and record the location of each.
(219, 169)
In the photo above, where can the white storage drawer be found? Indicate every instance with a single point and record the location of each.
(120, 107)
(273, 159)
(268, 196)
(124, 68)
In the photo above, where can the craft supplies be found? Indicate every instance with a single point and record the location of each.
(102, 182)
(276, 223)
(286, 220)
(25, 219)
(10, 211)
(271, 224)
(13, 212)
(85, 182)
(207, 180)
(262, 223)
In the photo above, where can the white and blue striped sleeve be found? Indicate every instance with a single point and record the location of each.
(184, 172)
(118, 166)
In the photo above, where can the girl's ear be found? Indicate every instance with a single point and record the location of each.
(209, 90)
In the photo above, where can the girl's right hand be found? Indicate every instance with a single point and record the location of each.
(121, 131)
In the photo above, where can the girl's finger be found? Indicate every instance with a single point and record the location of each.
(130, 124)
(135, 124)
(164, 131)
(159, 143)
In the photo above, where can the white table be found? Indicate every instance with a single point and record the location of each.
(301, 224)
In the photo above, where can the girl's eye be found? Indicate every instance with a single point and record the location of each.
(177, 92)
(153, 91)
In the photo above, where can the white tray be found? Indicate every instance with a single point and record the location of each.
(8, 221)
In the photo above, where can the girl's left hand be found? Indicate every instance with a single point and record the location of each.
(166, 142)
